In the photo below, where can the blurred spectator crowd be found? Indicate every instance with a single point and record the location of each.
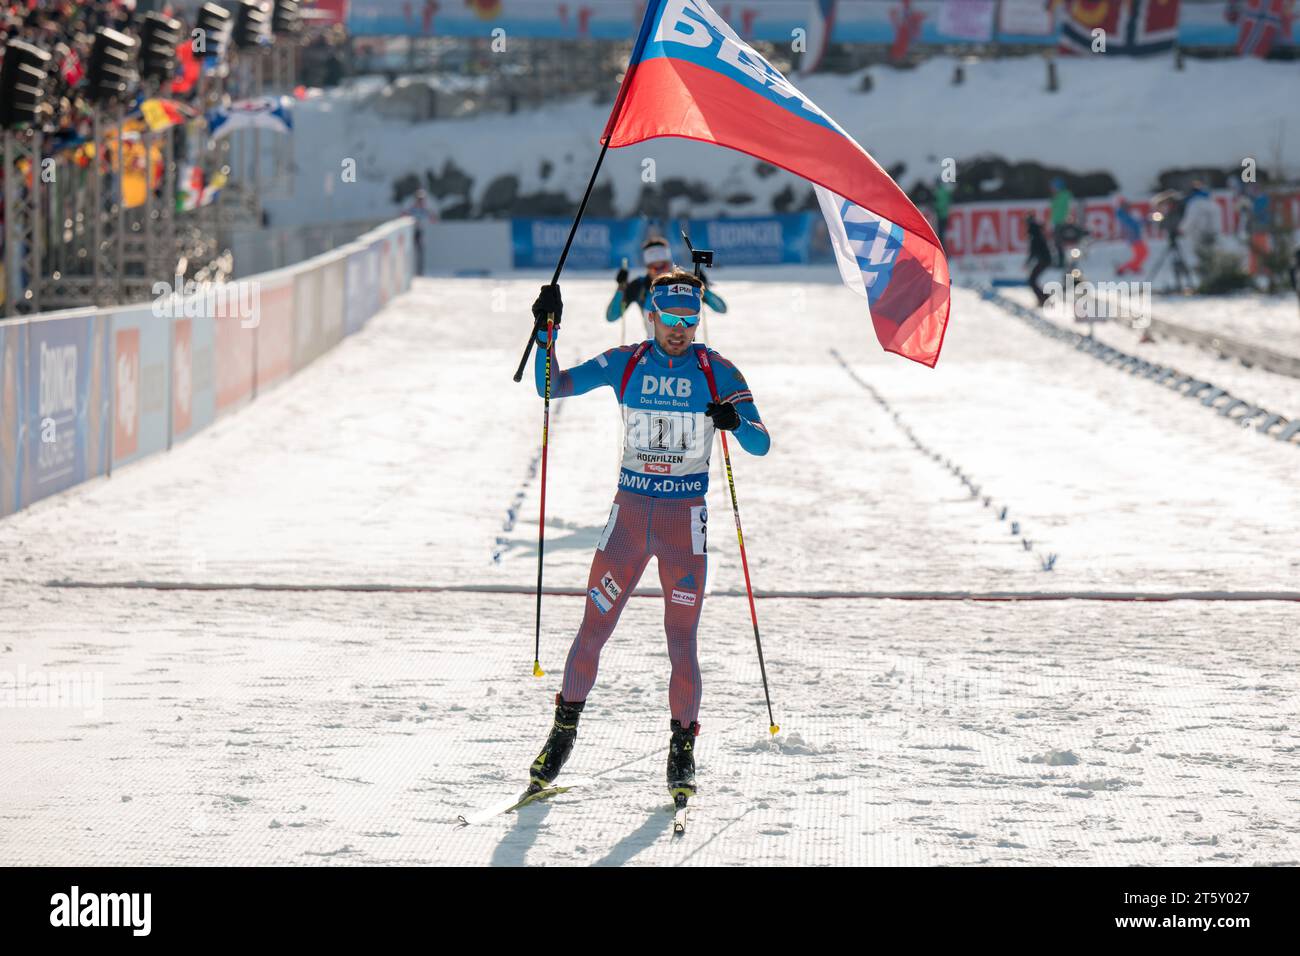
(65, 29)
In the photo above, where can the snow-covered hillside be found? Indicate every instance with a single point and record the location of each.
(1131, 118)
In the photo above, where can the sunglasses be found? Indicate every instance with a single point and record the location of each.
(672, 321)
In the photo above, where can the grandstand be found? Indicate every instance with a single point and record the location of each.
(114, 174)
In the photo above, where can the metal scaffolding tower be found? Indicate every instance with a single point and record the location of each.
(71, 240)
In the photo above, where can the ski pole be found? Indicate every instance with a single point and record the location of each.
(749, 588)
(541, 521)
(773, 728)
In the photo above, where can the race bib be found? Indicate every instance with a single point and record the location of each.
(662, 431)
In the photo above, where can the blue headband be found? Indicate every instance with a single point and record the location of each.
(676, 295)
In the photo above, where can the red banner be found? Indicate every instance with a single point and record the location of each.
(182, 376)
(126, 393)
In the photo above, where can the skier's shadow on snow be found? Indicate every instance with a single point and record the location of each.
(646, 835)
(514, 846)
(580, 539)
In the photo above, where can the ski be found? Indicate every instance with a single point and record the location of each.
(679, 815)
(512, 804)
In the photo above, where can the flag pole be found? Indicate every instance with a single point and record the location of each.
(651, 10)
(559, 266)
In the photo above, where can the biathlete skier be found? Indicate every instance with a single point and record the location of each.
(665, 388)
(658, 259)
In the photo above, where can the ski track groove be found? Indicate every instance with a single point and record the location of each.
(1046, 561)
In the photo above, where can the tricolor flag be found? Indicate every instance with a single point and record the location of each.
(692, 76)
(189, 187)
(160, 113)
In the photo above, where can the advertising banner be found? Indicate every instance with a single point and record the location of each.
(333, 301)
(996, 228)
(370, 262)
(275, 330)
(969, 20)
(358, 293)
(182, 369)
(194, 374)
(307, 338)
(598, 244)
(234, 342)
(393, 269)
(990, 237)
(754, 241)
(67, 398)
(1027, 20)
(405, 263)
(384, 253)
(141, 382)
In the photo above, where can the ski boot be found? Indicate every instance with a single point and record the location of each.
(681, 762)
(558, 745)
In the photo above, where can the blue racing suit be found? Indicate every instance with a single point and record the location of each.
(667, 436)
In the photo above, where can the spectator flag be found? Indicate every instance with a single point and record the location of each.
(271, 113)
(187, 68)
(1262, 24)
(692, 76)
(1131, 27)
(160, 113)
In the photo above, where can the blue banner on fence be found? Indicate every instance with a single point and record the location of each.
(752, 240)
(604, 243)
(599, 243)
(66, 413)
(194, 374)
(141, 366)
(358, 294)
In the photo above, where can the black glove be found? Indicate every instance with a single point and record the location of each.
(621, 278)
(724, 415)
(547, 301)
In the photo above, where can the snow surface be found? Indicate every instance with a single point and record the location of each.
(1128, 116)
(1269, 321)
(346, 727)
